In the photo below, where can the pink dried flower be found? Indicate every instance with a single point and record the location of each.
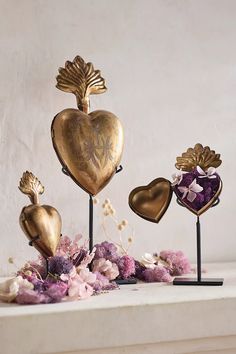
(177, 261)
(78, 289)
(126, 266)
(106, 267)
(87, 276)
(68, 247)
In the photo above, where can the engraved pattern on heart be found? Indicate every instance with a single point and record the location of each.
(89, 146)
(151, 202)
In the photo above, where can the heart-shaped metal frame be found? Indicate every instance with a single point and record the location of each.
(205, 207)
(136, 199)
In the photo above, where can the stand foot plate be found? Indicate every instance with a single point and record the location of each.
(126, 281)
(202, 282)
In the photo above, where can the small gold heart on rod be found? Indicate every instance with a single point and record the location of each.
(151, 202)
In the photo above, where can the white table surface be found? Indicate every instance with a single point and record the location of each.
(142, 318)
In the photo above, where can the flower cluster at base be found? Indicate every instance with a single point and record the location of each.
(75, 274)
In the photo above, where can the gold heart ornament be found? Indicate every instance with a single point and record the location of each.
(88, 145)
(40, 223)
(190, 161)
(205, 207)
(151, 202)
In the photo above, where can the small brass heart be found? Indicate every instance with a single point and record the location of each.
(45, 222)
(40, 223)
(151, 202)
(89, 146)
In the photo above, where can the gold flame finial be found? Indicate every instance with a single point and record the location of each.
(198, 156)
(82, 80)
(31, 186)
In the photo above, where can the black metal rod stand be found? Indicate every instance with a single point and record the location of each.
(90, 222)
(65, 171)
(199, 261)
(199, 280)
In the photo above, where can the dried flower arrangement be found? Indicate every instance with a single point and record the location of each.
(74, 273)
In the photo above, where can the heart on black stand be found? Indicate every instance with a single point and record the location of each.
(198, 191)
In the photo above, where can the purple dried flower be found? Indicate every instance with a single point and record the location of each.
(27, 296)
(209, 183)
(106, 250)
(56, 291)
(126, 266)
(102, 283)
(139, 269)
(157, 274)
(59, 265)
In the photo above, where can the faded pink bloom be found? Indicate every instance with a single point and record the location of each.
(78, 289)
(87, 276)
(106, 267)
(67, 247)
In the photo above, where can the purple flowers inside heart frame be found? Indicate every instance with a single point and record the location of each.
(197, 189)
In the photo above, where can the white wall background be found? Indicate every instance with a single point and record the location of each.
(170, 68)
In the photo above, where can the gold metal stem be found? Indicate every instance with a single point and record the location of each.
(83, 104)
(34, 199)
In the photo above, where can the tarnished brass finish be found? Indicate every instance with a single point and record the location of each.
(40, 223)
(90, 145)
(198, 156)
(151, 201)
(82, 80)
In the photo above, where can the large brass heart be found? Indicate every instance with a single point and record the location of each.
(42, 225)
(151, 201)
(89, 146)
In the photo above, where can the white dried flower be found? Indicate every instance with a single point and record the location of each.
(10, 288)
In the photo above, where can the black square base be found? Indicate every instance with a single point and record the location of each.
(202, 282)
(126, 281)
